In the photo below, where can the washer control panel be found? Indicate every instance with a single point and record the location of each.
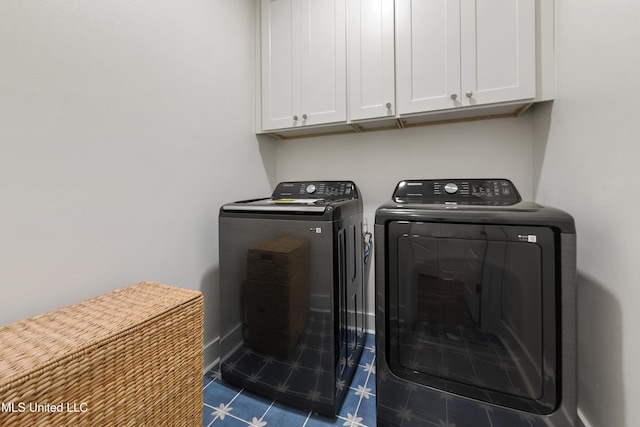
(327, 190)
(497, 192)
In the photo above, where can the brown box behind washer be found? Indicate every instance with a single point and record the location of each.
(277, 294)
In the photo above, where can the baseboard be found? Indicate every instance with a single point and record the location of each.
(582, 420)
(370, 323)
(211, 354)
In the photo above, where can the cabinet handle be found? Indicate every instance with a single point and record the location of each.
(388, 106)
(469, 94)
(304, 117)
(454, 96)
(295, 118)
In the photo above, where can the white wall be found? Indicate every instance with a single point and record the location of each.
(587, 146)
(376, 161)
(123, 123)
(123, 126)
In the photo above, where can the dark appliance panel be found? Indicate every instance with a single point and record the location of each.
(464, 310)
(475, 307)
(292, 293)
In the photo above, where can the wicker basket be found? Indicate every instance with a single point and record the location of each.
(277, 294)
(132, 357)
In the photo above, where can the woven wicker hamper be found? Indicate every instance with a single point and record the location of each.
(133, 357)
(278, 294)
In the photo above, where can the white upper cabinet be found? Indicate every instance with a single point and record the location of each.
(339, 66)
(371, 59)
(303, 63)
(460, 53)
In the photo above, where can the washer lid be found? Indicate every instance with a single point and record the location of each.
(489, 192)
(304, 197)
(278, 205)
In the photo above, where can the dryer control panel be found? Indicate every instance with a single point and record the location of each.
(496, 192)
(327, 190)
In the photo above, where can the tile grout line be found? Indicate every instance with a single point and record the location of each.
(225, 407)
(223, 410)
(267, 411)
(366, 382)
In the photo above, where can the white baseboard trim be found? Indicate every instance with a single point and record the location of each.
(582, 420)
(370, 323)
(211, 354)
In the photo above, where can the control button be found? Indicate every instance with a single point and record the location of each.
(311, 189)
(451, 188)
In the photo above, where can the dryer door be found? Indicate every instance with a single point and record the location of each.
(472, 310)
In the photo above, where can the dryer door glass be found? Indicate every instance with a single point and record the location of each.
(470, 303)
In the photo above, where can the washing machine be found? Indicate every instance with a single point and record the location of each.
(475, 307)
(292, 293)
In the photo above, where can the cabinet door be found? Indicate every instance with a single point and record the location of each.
(427, 55)
(371, 59)
(280, 57)
(323, 77)
(497, 51)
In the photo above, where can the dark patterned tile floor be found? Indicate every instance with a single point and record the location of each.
(228, 405)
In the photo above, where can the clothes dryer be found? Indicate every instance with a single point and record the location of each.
(292, 293)
(475, 307)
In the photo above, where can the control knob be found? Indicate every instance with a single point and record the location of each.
(451, 188)
(311, 189)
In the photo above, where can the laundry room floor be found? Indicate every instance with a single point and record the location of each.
(228, 405)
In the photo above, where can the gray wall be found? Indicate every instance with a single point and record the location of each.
(123, 124)
(586, 161)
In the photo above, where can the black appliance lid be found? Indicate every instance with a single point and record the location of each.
(313, 197)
